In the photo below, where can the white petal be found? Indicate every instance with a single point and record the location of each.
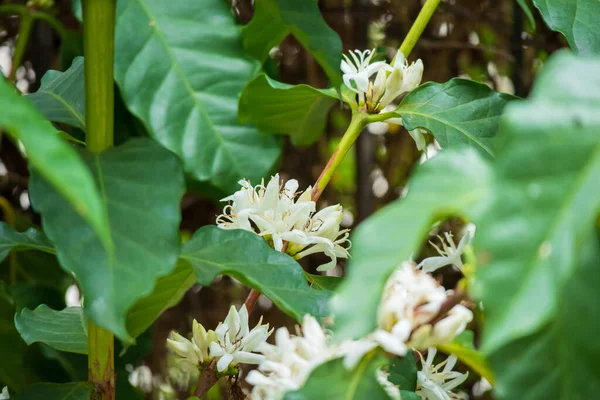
(215, 350)
(247, 358)
(224, 362)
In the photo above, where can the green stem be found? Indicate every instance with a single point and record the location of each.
(98, 48)
(418, 26)
(358, 123)
(22, 39)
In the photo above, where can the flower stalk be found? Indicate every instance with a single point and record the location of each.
(357, 125)
(99, 42)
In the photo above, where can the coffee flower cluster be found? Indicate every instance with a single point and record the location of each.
(391, 80)
(408, 320)
(230, 344)
(281, 214)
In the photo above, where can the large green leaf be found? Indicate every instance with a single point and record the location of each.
(273, 20)
(57, 391)
(168, 292)
(31, 239)
(547, 196)
(332, 381)
(452, 183)
(64, 330)
(457, 112)
(537, 248)
(142, 185)
(181, 68)
(576, 19)
(559, 361)
(247, 257)
(61, 96)
(55, 160)
(298, 111)
(323, 282)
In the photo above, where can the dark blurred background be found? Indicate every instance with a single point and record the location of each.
(490, 41)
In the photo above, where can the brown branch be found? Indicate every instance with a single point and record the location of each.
(208, 378)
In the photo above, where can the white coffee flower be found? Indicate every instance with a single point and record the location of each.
(359, 69)
(236, 342)
(433, 384)
(402, 79)
(4, 395)
(444, 331)
(392, 390)
(141, 377)
(411, 300)
(450, 254)
(289, 362)
(231, 343)
(279, 215)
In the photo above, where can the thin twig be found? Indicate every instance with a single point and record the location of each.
(207, 379)
(458, 296)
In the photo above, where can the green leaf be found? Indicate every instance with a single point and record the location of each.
(64, 330)
(31, 239)
(298, 111)
(462, 347)
(457, 112)
(403, 372)
(55, 160)
(406, 395)
(181, 70)
(273, 20)
(57, 391)
(13, 371)
(547, 198)
(452, 183)
(61, 97)
(524, 4)
(558, 361)
(576, 19)
(323, 282)
(168, 292)
(249, 259)
(332, 381)
(142, 185)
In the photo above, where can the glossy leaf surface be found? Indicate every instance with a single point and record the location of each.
(247, 257)
(181, 68)
(298, 111)
(457, 112)
(142, 185)
(64, 330)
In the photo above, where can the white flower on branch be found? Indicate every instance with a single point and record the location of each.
(358, 69)
(4, 395)
(450, 254)
(411, 302)
(433, 384)
(236, 342)
(231, 343)
(289, 362)
(279, 215)
(390, 82)
(388, 86)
